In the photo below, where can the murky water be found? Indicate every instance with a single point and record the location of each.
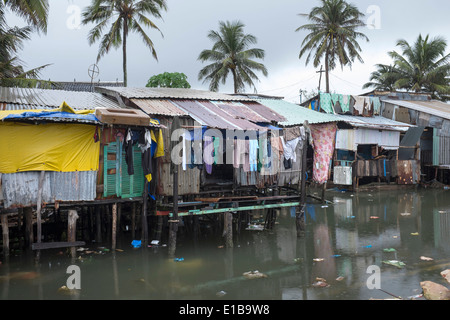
(342, 240)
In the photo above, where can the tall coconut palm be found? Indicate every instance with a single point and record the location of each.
(231, 53)
(122, 16)
(423, 66)
(332, 35)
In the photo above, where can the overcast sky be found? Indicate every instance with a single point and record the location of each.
(186, 24)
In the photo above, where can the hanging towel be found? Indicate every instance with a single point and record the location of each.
(208, 150)
(253, 154)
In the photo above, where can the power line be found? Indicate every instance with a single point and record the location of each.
(289, 86)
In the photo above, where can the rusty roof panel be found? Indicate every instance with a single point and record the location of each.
(201, 114)
(33, 98)
(158, 107)
(238, 122)
(239, 110)
(265, 112)
(169, 93)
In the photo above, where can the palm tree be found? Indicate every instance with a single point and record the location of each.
(231, 53)
(383, 79)
(125, 16)
(423, 66)
(35, 13)
(332, 35)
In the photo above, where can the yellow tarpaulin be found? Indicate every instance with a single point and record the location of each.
(48, 147)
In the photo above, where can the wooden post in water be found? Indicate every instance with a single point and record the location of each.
(144, 215)
(5, 232)
(39, 206)
(72, 217)
(133, 220)
(114, 226)
(98, 224)
(29, 237)
(300, 216)
(228, 229)
(173, 223)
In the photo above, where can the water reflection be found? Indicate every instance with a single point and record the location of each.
(342, 239)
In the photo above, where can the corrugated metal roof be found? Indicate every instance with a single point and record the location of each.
(169, 93)
(295, 114)
(264, 111)
(240, 111)
(158, 107)
(33, 98)
(228, 116)
(204, 116)
(375, 122)
(433, 107)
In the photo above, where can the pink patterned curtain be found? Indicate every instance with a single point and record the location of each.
(324, 137)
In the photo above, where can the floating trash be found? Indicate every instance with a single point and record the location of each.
(221, 293)
(254, 275)
(389, 250)
(368, 246)
(318, 259)
(136, 243)
(395, 263)
(178, 259)
(423, 258)
(414, 233)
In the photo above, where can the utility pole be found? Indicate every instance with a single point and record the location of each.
(320, 78)
(301, 93)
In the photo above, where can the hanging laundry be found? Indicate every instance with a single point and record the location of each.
(359, 105)
(324, 136)
(145, 142)
(345, 103)
(326, 103)
(239, 153)
(291, 133)
(160, 145)
(376, 104)
(128, 147)
(253, 154)
(208, 150)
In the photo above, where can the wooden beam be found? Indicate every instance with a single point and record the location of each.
(5, 232)
(114, 226)
(39, 206)
(53, 245)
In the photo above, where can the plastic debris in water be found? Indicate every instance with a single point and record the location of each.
(136, 243)
(368, 246)
(395, 263)
(178, 259)
(221, 293)
(389, 250)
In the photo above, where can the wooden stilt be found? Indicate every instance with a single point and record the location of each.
(114, 226)
(144, 229)
(98, 222)
(38, 207)
(173, 223)
(5, 233)
(29, 236)
(300, 215)
(133, 220)
(72, 229)
(228, 229)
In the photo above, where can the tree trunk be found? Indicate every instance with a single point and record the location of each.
(233, 71)
(327, 76)
(124, 49)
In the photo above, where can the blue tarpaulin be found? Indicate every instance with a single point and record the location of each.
(53, 116)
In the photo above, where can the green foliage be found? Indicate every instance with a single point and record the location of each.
(121, 17)
(231, 53)
(421, 67)
(12, 73)
(168, 80)
(332, 35)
